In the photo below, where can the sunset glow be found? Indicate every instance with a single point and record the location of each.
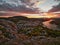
(29, 22)
(29, 8)
(42, 15)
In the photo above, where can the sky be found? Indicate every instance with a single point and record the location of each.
(28, 6)
(48, 5)
(42, 5)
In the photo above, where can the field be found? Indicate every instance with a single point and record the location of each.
(28, 31)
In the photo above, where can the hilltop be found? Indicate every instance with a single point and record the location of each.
(20, 30)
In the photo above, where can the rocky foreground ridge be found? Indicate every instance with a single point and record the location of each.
(24, 31)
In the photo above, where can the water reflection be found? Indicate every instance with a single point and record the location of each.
(50, 26)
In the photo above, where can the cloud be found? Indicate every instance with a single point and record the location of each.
(32, 3)
(55, 8)
(22, 5)
(30, 6)
(17, 5)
